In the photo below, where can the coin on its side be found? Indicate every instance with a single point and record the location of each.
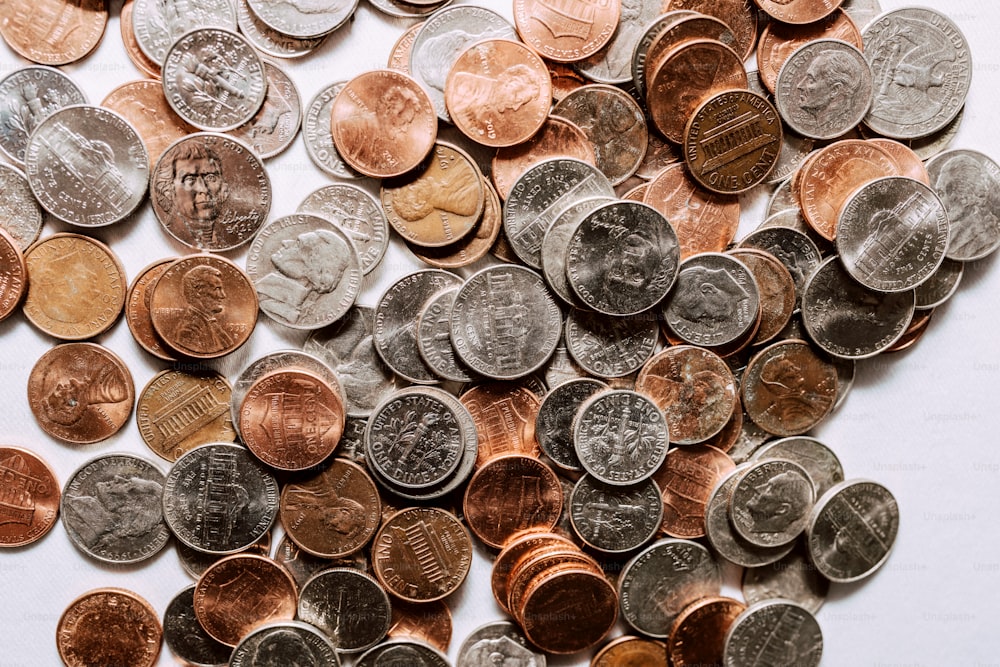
(30, 494)
(179, 410)
(82, 633)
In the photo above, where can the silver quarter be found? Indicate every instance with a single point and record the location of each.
(20, 214)
(823, 466)
(356, 212)
(434, 338)
(556, 242)
(610, 347)
(791, 578)
(303, 19)
(185, 637)
(554, 421)
(402, 652)
(937, 289)
(771, 501)
(318, 136)
(613, 63)
(498, 643)
(968, 184)
(276, 124)
(778, 632)
(28, 96)
(283, 644)
(615, 519)
(350, 607)
(620, 437)
(157, 24)
(269, 41)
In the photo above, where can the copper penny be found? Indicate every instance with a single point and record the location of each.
(685, 27)
(429, 622)
(76, 287)
(53, 32)
(475, 245)
(204, 306)
(540, 562)
(239, 593)
(698, 635)
(399, 55)
(918, 326)
(739, 15)
(179, 410)
(686, 481)
(109, 626)
(422, 554)
(498, 92)
(509, 494)
(727, 438)
(333, 513)
(504, 414)
(777, 291)
(142, 103)
(779, 40)
(566, 31)
(13, 274)
(565, 79)
(383, 123)
(908, 162)
(143, 63)
(557, 138)
(137, 313)
(80, 392)
(692, 72)
(704, 221)
(631, 652)
(521, 545)
(29, 497)
(569, 611)
(798, 12)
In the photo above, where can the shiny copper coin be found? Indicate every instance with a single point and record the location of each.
(242, 592)
(634, 189)
(137, 313)
(704, 221)
(519, 546)
(504, 413)
(143, 63)
(566, 31)
(334, 513)
(777, 291)
(798, 12)
(698, 636)
(569, 611)
(498, 92)
(422, 554)
(383, 123)
(778, 41)
(13, 274)
(109, 626)
(179, 410)
(428, 622)
(80, 393)
(908, 162)
(475, 245)
(686, 26)
(509, 494)
(76, 287)
(53, 32)
(291, 419)
(557, 138)
(686, 481)
(142, 103)
(399, 56)
(739, 15)
(540, 563)
(204, 306)
(629, 651)
(688, 75)
(29, 497)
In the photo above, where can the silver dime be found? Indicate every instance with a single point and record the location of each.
(852, 529)
(556, 242)
(817, 459)
(848, 320)
(349, 606)
(505, 324)
(358, 213)
(715, 300)
(214, 79)
(610, 347)
(615, 519)
(157, 24)
(319, 138)
(620, 437)
(396, 315)
(269, 41)
(20, 214)
(791, 578)
(940, 286)
(968, 184)
(540, 194)
(406, 653)
(613, 63)
(623, 258)
(498, 643)
(824, 88)
(219, 499)
(434, 338)
(112, 509)
(303, 19)
(662, 579)
(306, 271)
(892, 233)
(87, 166)
(284, 644)
(771, 501)
(554, 421)
(28, 96)
(922, 68)
(778, 633)
(185, 637)
(793, 248)
(276, 124)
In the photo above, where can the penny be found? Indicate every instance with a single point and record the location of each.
(794, 249)
(333, 513)
(909, 163)
(798, 12)
(210, 192)
(157, 26)
(621, 437)
(504, 414)
(569, 611)
(241, 593)
(771, 501)
(303, 20)
(87, 166)
(704, 221)
(940, 286)
(698, 635)
(555, 417)
(817, 459)
(781, 630)
(29, 95)
(383, 123)
(179, 410)
(422, 554)
(141, 61)
(686, 480)
(219, 499)
(650, 31)
(777, 291)
(475, 245)
(402, 651)
(272, 42)
(318, 133)
(358, 214)
(629, 650)
(30, 495)
(399, 57)
(610, 347)
(567, 32)
(13, 275)
(792, 578)
(276, 124)
(965, 180)
(53, 32)
(557, 138)
(428, 622)
(185, 637)
(778, 40)
(614, 519)
(82, 633)
(137, 313)
(554, 249)
(276, 643)
(660, 154)
(80, 393)
(739, 15)
(687, 25)
(350, 607)
(732, 140)
(497, 642)
(725, 439)
(142, 103)
(515, 551)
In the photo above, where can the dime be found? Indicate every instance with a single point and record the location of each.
(629, 650)
(558, 138)
(565, 33)
(620, 437)
(269, 41)
(53, 32)
(185, 637)
(82, 633)
(784, 631)
(686, 481)
(434, 338)
(697, 636)
(778, 40)
(13, 274)
(792, 578)
(610, 347)
(358, 214)
(30, 495)
(428, 622)
(504, 414)
(777, 291)
(402, 651)
(553, 424)
(771, 501)
(80, 393)
(318, 136)
(303, 20)
(134, 52)
(817, 459)
(739, 15)
(615, 519)
(274, 644)
(276, 124)
(158, 25)
(29, 95)
(209, 191)
(497, 642)
(350, 607)
(179, 410)
(142, 103)
(967, 181)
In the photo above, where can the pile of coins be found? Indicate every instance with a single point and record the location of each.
(593, 384)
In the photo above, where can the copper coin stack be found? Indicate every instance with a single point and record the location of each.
(595, 386)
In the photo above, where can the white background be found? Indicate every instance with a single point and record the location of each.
(922, 422)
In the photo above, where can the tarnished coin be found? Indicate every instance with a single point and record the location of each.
(621, 437)
(402, 651)
(80, 392)
(142, 103)
(474, 246)
(787, 633)
(276, 644)
(30, 493)
(276, 124)
(504, 414)
(434, 338)
(158, 25)
(610, 347)
(428, 622)
(29, 95)
(270, 41)
(967, 183)
(778, 40)
(87, 166)
(209, 191)
(698, 635)
(214, 79)
(179, 410)
(654, 25)
(303, 20)
(557, 627)
(383, 123)
(739, 15)
(777, 291)
(558, 138)
(349, 606)
(792, 578)
(13, 274)
(565, 33)
(53, 32)
(496, 643)
(317, 133)
(185, 637)
(630, 650)
(422, 554)
(817, 459)
(358, 214)
(219, 499)
(553, 425)
(686, 25)
(615, 519)
(82, 635)
(141, 61)
(505, 324)
(334, 513)
(686, 481)
(771, 502)
(794, 249)
(20, 215)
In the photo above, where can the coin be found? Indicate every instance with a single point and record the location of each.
(739, 15)
(179, 410)
(399, 57)
(553, 252)
(497, 642)
(82, 633)
(141, 61)
(553, 424)
(29, 95)
(568, 32)
(817, 459)
(142, 103)
(13, 275)
(276, 124)
(568, 611)
(53, 32)
(615, 519)
(349, 606)
(303, 20)
(434, 338)
(620, 436)
(778, 40)
(158, 25)
(940, 286)
(428, 622)
(274, 644)
(686, 481)
(794, 249)
(504, 414)
(964, 179)
(791, 578)
(185, 637)
(558, 138)
(777, 291)
(779, 629)
(317, 133)
(402, 651)
(358, 214)
(610, 347)
(474, 246)
(272, 42)
(30, 495)
(80, 392)
(697, 636)
(771, 501)
(629, 650)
